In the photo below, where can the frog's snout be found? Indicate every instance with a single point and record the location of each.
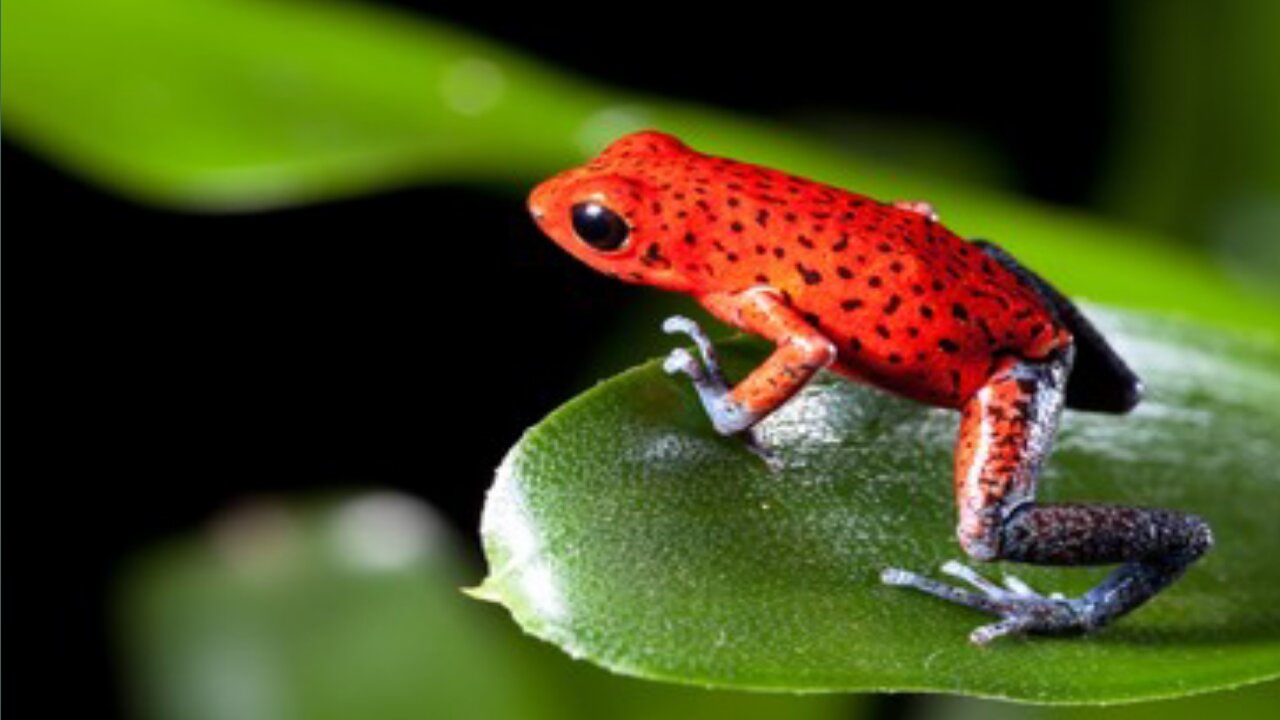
(539, 200)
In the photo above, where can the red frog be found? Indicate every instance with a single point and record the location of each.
(884, 294)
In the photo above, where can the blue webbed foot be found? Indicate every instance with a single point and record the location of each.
(1021, 609)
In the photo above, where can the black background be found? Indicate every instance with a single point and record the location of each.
(163, 365)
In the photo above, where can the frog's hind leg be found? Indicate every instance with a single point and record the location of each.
(1005, 434)
(1100, 379)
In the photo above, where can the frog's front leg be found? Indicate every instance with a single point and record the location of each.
(801, 351)
(1005, 433)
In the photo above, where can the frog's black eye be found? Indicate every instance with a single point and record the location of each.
(599, 227)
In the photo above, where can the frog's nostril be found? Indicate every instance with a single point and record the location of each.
(536, 212)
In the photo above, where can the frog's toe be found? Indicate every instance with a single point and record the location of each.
(725, 415)
(1034, 614)
(681, 325)
(710, 386)
(1020, 609)
(681, 362)
(920, 207)
(905, 578)
(1008, 626)
(1013, 587)
(963, 572)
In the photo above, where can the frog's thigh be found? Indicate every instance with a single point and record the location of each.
(1101, 381)
(1006, 431)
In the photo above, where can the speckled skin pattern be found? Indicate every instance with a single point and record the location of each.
(909, 306)
(884, 294)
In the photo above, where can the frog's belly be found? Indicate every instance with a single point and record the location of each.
(932, 386)
(937, 368)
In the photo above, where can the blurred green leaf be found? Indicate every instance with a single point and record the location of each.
(243, 103)
(1196, 151)
(622, 529)
(919, 144)
(1254, 702)
(233, 104)
(350, 608)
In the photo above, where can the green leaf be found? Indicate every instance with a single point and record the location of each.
(334, 609)
(623, 530)
(1254, 702)
(238, 104)
(348, 607)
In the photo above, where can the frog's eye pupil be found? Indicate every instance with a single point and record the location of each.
(599, 227)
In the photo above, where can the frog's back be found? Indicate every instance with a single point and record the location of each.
(912, 307)
(918, 310)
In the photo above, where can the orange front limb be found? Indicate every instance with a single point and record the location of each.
(801, 352)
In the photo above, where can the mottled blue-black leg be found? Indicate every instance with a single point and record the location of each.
(1005, 434)
(1156, 547)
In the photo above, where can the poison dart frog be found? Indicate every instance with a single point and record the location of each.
(884, 294)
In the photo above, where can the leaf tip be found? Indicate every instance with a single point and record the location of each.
(484, 592)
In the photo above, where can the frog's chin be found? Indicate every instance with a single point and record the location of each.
(669, 280)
